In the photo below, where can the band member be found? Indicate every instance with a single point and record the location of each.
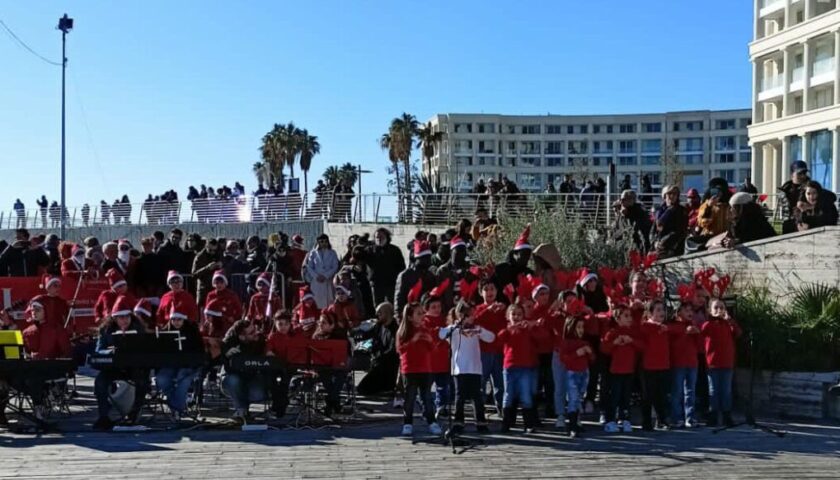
(41, 341)
(277, 346)
(174, 383)
(6, 323)
(344, 309)
(176, 294)
(143, 312)
(122, 322)
(119, 287)
(56, 309)
(261, 307)
(77, 265)
(306, 313)
(329, 329)
(242, 388)
(225, 299)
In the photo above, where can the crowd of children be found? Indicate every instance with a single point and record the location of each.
(602, 330)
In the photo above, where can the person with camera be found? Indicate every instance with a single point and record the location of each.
(712, 216)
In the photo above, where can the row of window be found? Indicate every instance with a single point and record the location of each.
(551, 129)
(626, 160)
(581, 147)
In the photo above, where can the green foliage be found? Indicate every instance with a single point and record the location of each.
(577, 241)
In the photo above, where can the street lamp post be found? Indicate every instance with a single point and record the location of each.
(65, 24)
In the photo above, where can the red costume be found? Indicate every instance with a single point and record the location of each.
(623, 357)
(56, 309)
(306, 313)
(414, 356)
(183, 299)
(570, 358)
(346, 314)
(45, 341)
(520, 346)
(657, 341)
(493, 321)
(231, 305)
(218, 318)
(685, 347)
(258, 306)
(720, 337)
(439, 353)
(278, 345)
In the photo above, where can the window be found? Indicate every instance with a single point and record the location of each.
(652, 146)
(724, 158)
(487, 161)
(553, 148)
(530, 161)
(510, 129)
(463, 128)
(688, 144)
(555, 179)
(531, 129)
(724, 143)
(694, 159)
(554, 129)
(627, 128)
(627, 161)
(598, 161)
(795, 148)
(745, 122)
(821, 159)
(486, 147)
(529, 181)
(728, 175)
(463, 146)
(553, 162)
(596, 129)
(602, 146)
(627, 146)
(579, 129)
(577, 147)
(510, 161)
(529, 148)
(651, 160)
(652, 127)
(463, 161)
(743, 142)
(688, 126)
(486, 128)
(745, 157)
(511, 148)
(728, 124)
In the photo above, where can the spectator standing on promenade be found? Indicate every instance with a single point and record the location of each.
(671, 225)
(748, 221)
(631, 215)
(86, 215)
(42, 206)
(20, 211)
(105, 212)
(646, 190)
(713, 215)
(692, 206)
(794, 190)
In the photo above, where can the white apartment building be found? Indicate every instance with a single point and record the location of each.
(795, 54)
(535, 151)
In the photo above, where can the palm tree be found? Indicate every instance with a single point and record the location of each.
(270, 152)
(386, 143)
(262, 172)
(349, 173)
(332, 175)
(309, 147)
(400, 141)
(290, 143)
(428, 141)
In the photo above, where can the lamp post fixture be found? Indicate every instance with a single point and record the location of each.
(65, 24)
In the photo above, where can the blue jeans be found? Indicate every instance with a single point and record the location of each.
(175, 383)
(558, 370)
(491, 368)
(442, 383)
(576, 384)
(720, 389)
(243, 391)
(682, 394)
(520, 383)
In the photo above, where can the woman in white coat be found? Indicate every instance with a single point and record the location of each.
(319, 268)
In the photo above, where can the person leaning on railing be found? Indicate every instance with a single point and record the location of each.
(815, 208)
(748, 221)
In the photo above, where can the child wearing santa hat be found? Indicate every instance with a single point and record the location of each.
(264, 304)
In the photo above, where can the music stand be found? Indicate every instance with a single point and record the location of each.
(314, 357)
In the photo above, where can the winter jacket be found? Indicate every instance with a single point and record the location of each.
(44, 342)
(385, 263)
(750, 225)
(406, 281)
(719, 342)
(19, 260)
(182, 298)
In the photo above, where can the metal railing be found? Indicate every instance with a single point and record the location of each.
(429, 208)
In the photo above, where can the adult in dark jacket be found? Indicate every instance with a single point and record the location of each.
(817, 207)
(255, 257)
(385, 262)
(243, 388)
(748, 221)
(671, 227)
(53, 254)
(357, 266)
(631, 214)
(173, 256)
(384, 360)
(149, 272)
(454, 270)
(21, 260)
(418, 271)
(508, 272)
(206, 262)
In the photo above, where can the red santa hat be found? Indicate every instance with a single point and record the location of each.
(35, 303)
(341, 289)
(122, 306)
(537, 287)
(143, 307)
(585, 276)
(172, 275)
(522, 241)
(220, 274)
(124, 241)
(305, 294)
(47, 280)
(297, 240)
(265, 278)
(214, 308)
(422, 248)
(457, 242)
(115, 278)
(180, 311)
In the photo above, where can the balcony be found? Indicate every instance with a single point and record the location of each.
(771, 87)
(770, 7)
(823, 71)
(797, 79)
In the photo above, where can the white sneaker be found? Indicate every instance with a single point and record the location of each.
(435, 429)
(627, 426)
(398, 402)
(602, 419)
(611, 427)
(407, 430)
(691, 424)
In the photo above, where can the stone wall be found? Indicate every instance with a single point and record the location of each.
(790, 394)
(778, 262)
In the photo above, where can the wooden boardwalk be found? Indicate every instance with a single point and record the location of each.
(374, 449)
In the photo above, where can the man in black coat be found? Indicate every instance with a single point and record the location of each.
(171, 253)
(418, 271)
(629, 213)
(508, 272)
(454, 270)
(385, 261)
(20, 260)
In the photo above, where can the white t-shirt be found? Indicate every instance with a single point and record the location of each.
(465, 347)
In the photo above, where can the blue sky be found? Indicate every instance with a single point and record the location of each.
(166, 94)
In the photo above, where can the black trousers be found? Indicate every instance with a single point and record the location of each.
(381, 378)
(598, 386)
(655, 386)
(415, 383)
(621, 386)
(280, 391)
(138, 376)
(468, 388)
(545, 384)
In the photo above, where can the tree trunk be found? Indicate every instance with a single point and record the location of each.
(399, 191)
(408, 193)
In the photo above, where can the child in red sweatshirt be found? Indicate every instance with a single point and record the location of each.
(433, 321)
(519, 339)
(621, 344)
(545, 348)
(277, 346)
(685, 345)
(719, 333)
(413, 344)
(656, 364)
(490, 315)
(576, 354)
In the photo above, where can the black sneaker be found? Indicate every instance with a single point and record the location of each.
(482, 429)
(3, 420)
(103, 424)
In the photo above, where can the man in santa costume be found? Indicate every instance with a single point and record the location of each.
(516, 264)
(78, 266)
(176, 294)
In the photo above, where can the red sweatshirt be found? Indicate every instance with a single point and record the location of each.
(183, 298)
(720, 342)
(278, 345)
(520, 347)
(493, 322)
(545, 341)
(597, 325)
(623, 357)
(414, 356)
(439, 355)
(657, 340)
(106, 300)
(305, 317)
(257, 307)
(47, 341)
(685, 346)
(55, 310)
(346, 314)
(570, 358)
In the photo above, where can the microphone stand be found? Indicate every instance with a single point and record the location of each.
(75, 296)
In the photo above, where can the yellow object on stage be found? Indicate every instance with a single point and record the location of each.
(11, 341)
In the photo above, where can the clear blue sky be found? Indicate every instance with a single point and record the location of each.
(165, 94)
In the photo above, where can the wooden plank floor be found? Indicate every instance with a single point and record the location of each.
(374, 449)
